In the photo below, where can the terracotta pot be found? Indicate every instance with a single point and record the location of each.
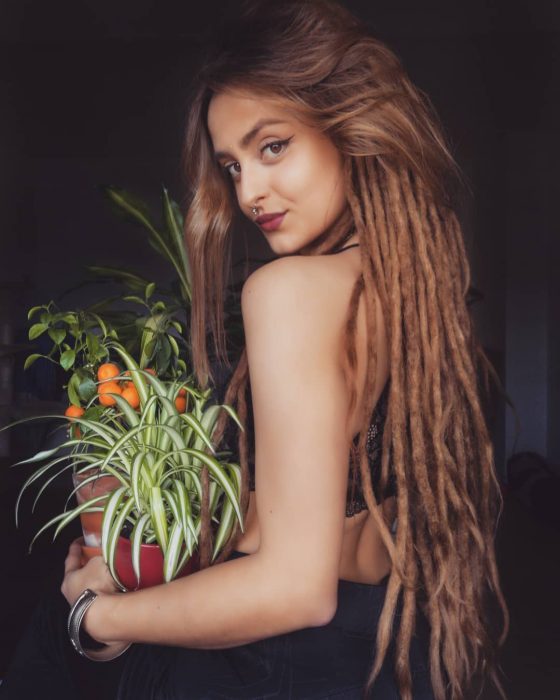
(91, 522)
(88, 552)
(151, 565)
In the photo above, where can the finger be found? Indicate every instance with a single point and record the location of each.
(72, 561)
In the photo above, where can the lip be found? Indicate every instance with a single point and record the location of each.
(270, 222)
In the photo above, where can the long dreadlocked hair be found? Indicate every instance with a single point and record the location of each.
(330, 72)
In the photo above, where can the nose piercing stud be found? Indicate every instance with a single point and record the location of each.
(254, 211)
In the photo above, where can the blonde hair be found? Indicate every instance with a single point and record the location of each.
(400, 181)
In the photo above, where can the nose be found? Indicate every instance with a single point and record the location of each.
(253, 187)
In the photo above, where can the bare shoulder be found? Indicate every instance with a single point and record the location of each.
(308, 291)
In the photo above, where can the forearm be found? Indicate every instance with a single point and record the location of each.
(233, 603)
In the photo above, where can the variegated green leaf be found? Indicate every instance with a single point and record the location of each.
(110, 513)
(64, 518)
(128, 411)
(224, 530)
(173, 552)
(200, 431)
(159, 519)
(217, 472)
(136, 539)
(109, 547)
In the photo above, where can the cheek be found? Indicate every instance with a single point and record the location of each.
(315, 177)
(324, 186)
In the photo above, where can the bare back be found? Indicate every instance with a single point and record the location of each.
(363, 556)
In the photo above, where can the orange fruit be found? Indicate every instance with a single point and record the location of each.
(74, 411)
(180, 404)
(182, 392)
(108, 388)
(108, 370)
(131, 395)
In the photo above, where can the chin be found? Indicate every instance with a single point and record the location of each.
(282, 243)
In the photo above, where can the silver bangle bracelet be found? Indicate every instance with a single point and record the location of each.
(75, 617)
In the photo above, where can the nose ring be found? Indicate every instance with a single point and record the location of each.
(254, 210)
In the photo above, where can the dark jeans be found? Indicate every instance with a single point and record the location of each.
(331, 661)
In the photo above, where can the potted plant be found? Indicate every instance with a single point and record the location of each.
(154, 437)
(139, 446)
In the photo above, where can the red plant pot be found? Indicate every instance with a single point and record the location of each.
(91, 522)
(151, 565)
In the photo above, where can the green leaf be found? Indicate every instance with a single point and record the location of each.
(133, 298)
(173, 344)
(57, 335)
(174, 222)
(67, 359)
(113, 538)
(137, 375)
(130, 205)
(31, 359)
(39, 457)
(173, 552)
(163, 353)
(64, 518)
(134, 282)
(150, 288)
(185, 513)
(33, 311)
(78, 510)
(136, 539)
(87, 389)
(159, 519)
(101, 323)
(36, 330)
(72, 389)
(92, 342)
(224, 529)
(110, 534)
(217, 473)
(149, 348)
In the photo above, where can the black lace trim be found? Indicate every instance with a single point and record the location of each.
(355, 501)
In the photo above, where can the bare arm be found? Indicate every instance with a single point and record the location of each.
(300, 405)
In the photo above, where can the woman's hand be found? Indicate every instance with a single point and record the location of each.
(94, 575)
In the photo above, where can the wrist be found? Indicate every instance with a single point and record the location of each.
(97, 621)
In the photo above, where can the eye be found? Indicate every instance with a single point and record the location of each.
(276, 147)
(235, 164)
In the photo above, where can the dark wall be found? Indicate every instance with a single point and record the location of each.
(95, 92)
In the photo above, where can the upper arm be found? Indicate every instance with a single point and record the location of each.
(300, 403)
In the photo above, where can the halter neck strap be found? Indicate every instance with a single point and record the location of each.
(346, 247)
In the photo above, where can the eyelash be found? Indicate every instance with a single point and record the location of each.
(283, 142)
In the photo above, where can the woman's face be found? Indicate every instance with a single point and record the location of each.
(278, 165)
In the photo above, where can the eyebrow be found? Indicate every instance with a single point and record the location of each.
(250, 135)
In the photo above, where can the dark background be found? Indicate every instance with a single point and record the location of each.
(95, 92)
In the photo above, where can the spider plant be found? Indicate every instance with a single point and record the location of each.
(158, 453)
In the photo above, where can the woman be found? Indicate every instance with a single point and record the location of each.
(367, 559)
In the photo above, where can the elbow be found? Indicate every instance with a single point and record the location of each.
(319, 609)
